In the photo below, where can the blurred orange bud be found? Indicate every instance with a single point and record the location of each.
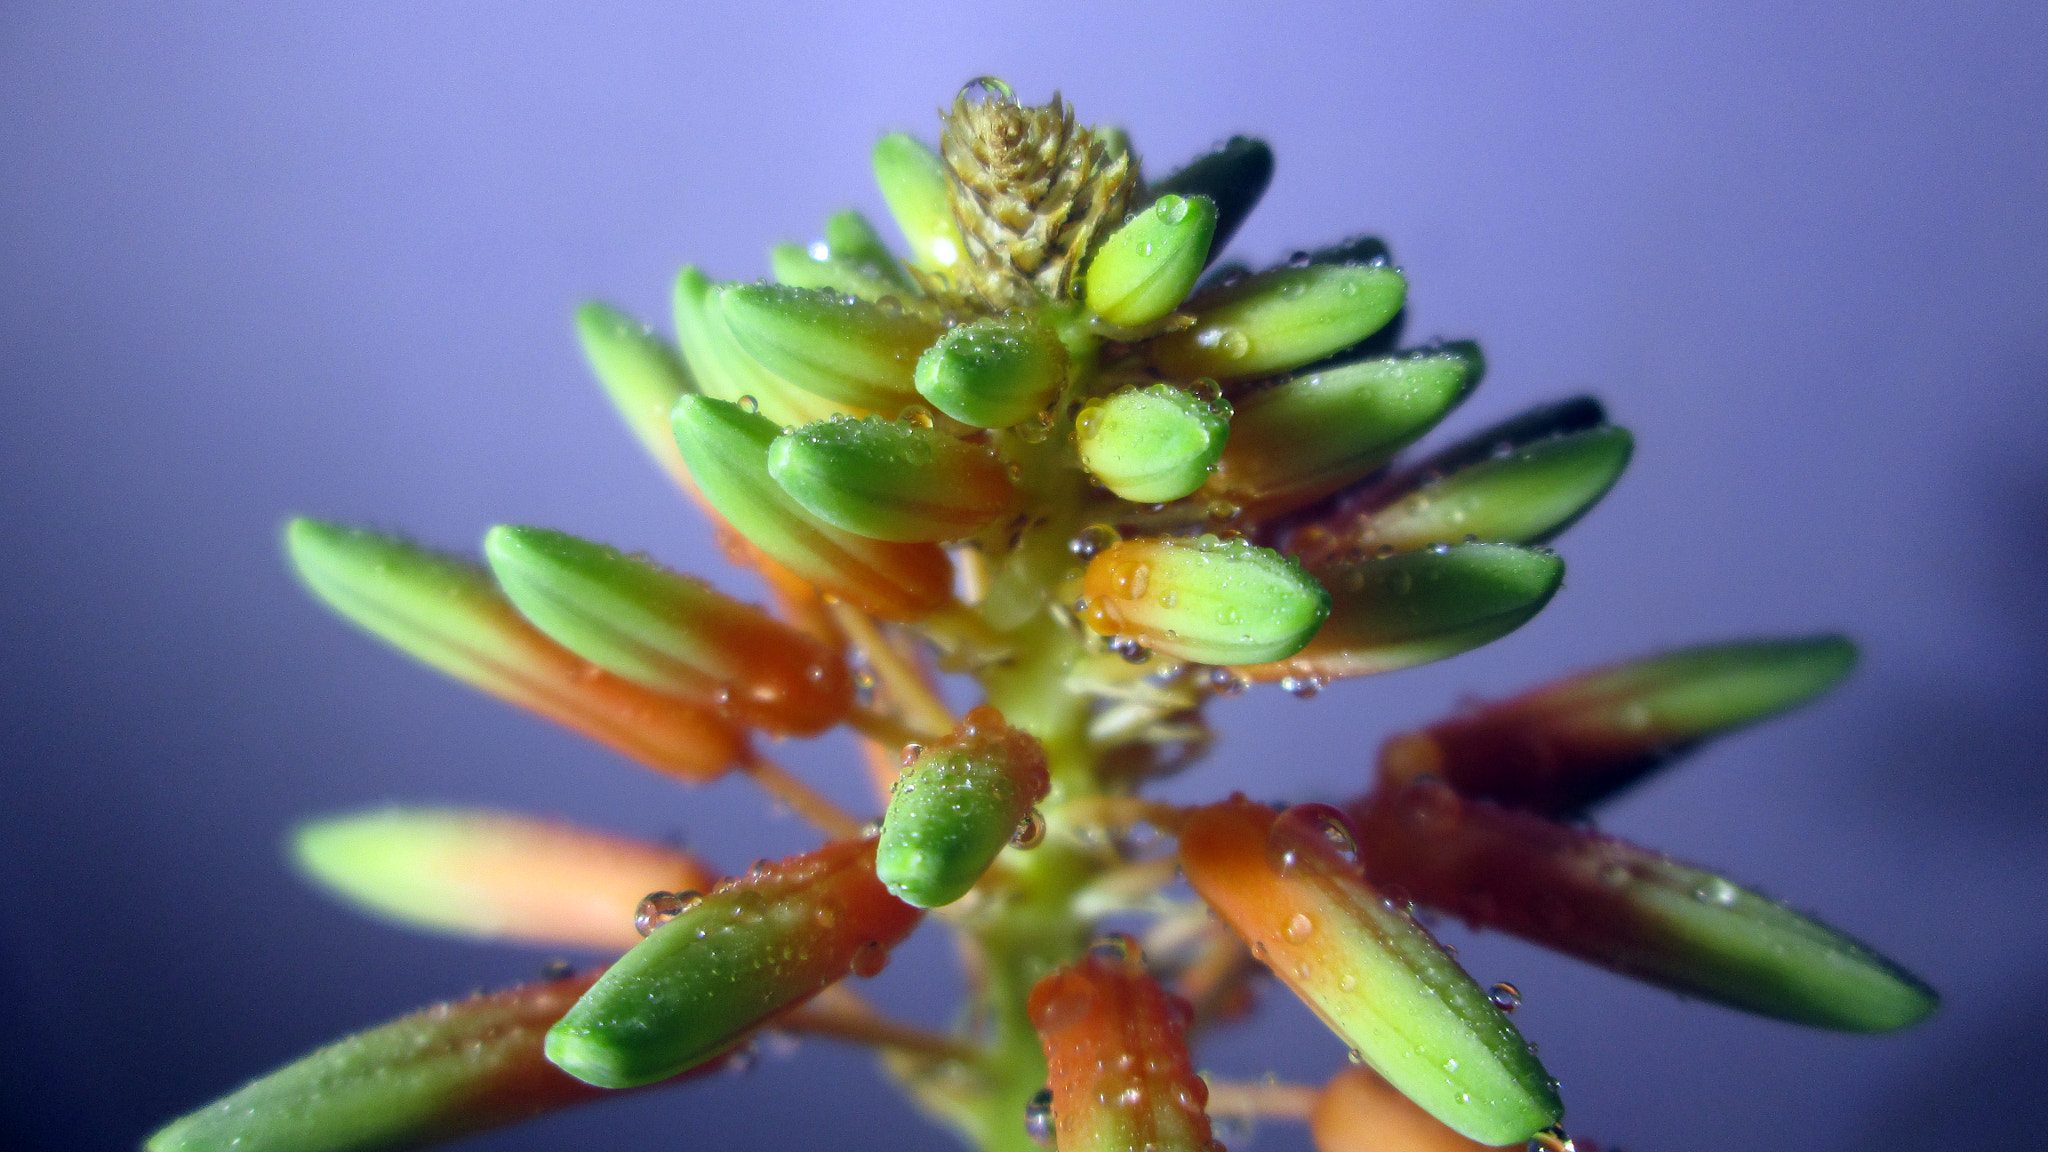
(1359, 1111)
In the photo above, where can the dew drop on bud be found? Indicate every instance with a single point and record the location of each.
(1092, 539)
(658, 908)
(1310, 831)
(820, 251)
(1030, 831)
(1224, 682)
(1355, 1056)
(869, 959)
(1117, 948)
(1505, 996)
(1172, 209)
(910, 754)
(1552, 1139)
(1038, 1118)
(749, 405)
(916, 414)
(1301, 687)
(1299, 928)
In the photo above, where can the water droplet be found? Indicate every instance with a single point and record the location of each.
(869, 959)
(1172, 210)
(1141, 579)
(1552, 1139)
(1145, 248)
(1092, 539)
(1301, 687)
(1300, 928)
(749, 405)
(910, 754)
(820, 251)
(916, 414)
(1030, 831)
(658, 908)
(557, 969)
(1505, 996)
(1224, 682)
(1234, 344)
(1383, 551)
(1117, 948)
(1717, 891)
(1038, 1122)
(1311, 831)
(1300, 259)
(1503, 449)
(742, 1059)
(1355, 1056)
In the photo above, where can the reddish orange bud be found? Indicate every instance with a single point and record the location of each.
(1359, 1111)
(1117, 1057)
(1290, 886)
(1644, 915)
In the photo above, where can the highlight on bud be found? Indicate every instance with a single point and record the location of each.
(672, 633)
(1290, 886)
(726, 447)
(1564, 747)
(723, 369)
(1148, 266)
(1207, 600)
(1358, 1111)
(1526, 495)
(1633, 911)
(1313, 434)
(851, 258)
(1417, 607)
(994, 372)
(1233, 177)
(1152, 444)
(439, 1074)
(842, 348)
(955, 807)
(642, 373)
(1280, 319)
(753, 946)
(446, 612)
(1116, 1055)
(891, 479)
(492, 875)
(913, 181)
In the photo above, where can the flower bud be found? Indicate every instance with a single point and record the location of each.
(754, 946)
(1207, 600)
(726, 448)
(1232, 177)
(1358, 1111)
(1153, 444)
(1564, 747)
(1116, 1057)
(994, 372)
(1313, 434)
(1148, 266)
(1280, 319)
(494, 876)
(642, 373)
(1611, 903)
(672, 633)
(445, 612)
(1291, 888)
(891, 479)
(852, 259)
(1418, 607)
(1526, 496)
(852, 353)
(956, 806)
(436, 1075)
(723, 370)
(913, 181)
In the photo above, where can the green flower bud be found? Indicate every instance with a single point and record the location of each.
(436, 1075)
(1290, 886)
(1206, 600)
(1566, 746)
(852, 258)
(1279, 320)
(1641, 914)
(672, 633)
(1233, 177)
(857, 354)
(1311, 435)
(723, 369)
(753, 947)
(1151, 444)
(1418, 607)
(995, 372)
(1148, 266)
(891, 479)
(446, 612)
(955, 808)
(726, 447)
(1562, 418)
(913, 181)
(1527, 496)
(643, 375)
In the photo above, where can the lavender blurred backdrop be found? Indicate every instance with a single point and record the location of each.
(261, 260)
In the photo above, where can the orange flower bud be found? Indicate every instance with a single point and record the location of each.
(1359, 1111)
(1117, 1057)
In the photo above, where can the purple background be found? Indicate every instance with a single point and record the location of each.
(261, 261)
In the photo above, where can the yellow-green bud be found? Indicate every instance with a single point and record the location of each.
(891, 479)
(641, 372)
(1279, 320)
(1207, 600)
(844, 349)
(1148, 266)
(723, 369)
(1526, 496)
(851, 258)
(913, 181)
(995, 372)
(1234, 176)
(1151, 444)
(956, 807)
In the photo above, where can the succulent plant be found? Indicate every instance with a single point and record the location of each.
(1055, 455)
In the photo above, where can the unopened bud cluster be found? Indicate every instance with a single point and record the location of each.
(1055, 458)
